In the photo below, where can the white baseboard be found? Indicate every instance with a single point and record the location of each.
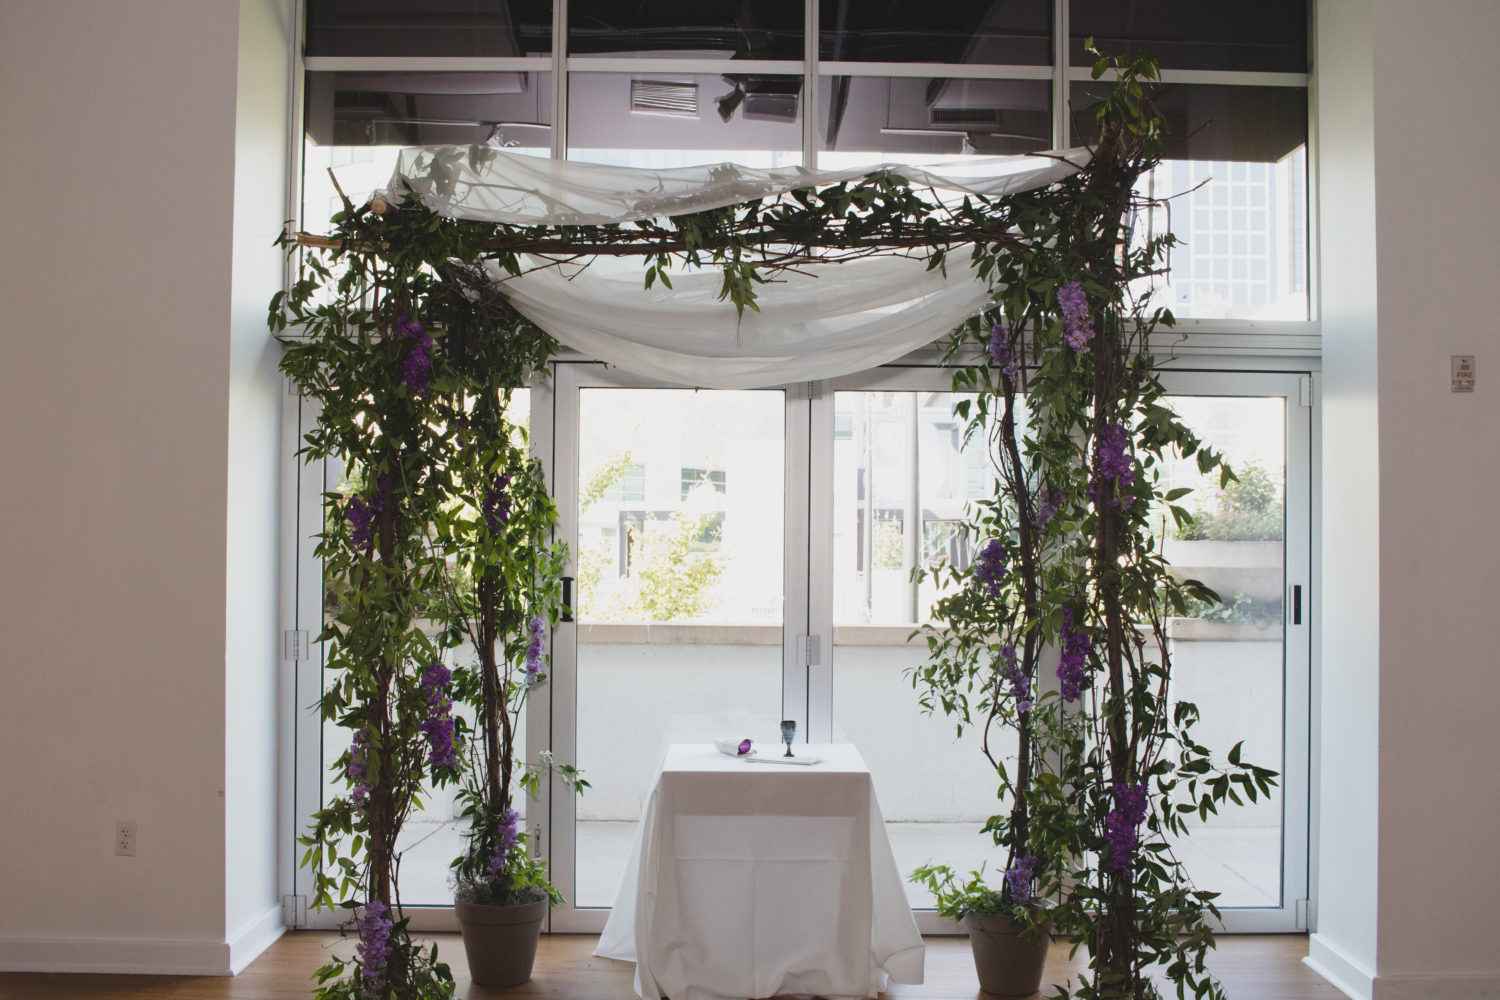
(1340, 969)
(247, 944)
(1470, 986)
(115, 955)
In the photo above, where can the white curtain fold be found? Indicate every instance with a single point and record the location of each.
(834, 319)
(491, 185)
(842, 319)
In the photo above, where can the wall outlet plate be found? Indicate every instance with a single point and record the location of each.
(125, 837)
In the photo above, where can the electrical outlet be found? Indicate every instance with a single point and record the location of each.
(125, 837)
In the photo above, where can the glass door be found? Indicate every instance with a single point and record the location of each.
(901, 478)
(673, 507)
(1245, 662)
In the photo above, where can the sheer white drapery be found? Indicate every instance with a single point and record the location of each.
(829, 320)
(491, 185)
(846, 318)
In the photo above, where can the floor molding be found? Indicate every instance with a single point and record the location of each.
(1334, 964)
(1470, 986)
(115, 955)
(254, 938)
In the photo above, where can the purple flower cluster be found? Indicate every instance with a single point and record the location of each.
(1018, 879)
(374, 951)
(416, 370)
(1072, 664)
(1050, 502)
(362, 513)
(358, 770)
(1121, 824)
(534, 651)
(1112, 452)
(990, 566)
(1020, 684)
(1000, 353)
(496, 505)
(438, 726)
(509, 833)
(1074, 304)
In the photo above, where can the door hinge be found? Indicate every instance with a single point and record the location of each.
(809, 650)
(295, 643)
(294, 911)
(1305, 390)
(1305, 915)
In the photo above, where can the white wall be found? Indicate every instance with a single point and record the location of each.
(253, 912)
(1437, 138)
(1344, 946)
(1408, 136)
(119, 129)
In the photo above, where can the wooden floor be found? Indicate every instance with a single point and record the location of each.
(1252, 967)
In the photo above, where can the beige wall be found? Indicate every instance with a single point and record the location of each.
(1408, 137)
(116, 390)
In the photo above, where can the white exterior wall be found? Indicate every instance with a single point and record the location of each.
(115, 430)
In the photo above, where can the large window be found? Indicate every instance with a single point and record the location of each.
(748, 556)
(837, 83)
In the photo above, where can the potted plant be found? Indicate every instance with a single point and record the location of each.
(503, 588)
(984, 661)
(1122, 768)
(1008, 932)
(390, 329)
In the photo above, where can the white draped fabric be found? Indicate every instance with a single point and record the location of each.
(843, 319)
(830, 320)
(491, 185)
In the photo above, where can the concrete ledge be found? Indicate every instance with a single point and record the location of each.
(1198, 630)
(878, 635)
(650, 633)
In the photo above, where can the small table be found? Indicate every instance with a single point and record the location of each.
(750, 879)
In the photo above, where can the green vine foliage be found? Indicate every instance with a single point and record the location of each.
(1064, 391)
(1067, 398)
(412, 360)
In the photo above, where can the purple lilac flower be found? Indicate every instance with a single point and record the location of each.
(496, 505)
(1020, 684)
(509, 833)
(1076, 646)
(1019, 880)
(417, 368)
(990, 566)
(438, 726)
(374, 951)
(1112, 451)
(1051, 502)
(360, 516)
(1000, 353)
(534, 652)
(1074, 304)
(362, 513)
(1121, 824)
(358, 771)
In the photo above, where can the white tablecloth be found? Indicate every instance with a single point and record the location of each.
(753, 879)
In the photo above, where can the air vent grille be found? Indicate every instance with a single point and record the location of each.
(965, 116)
(653, 97)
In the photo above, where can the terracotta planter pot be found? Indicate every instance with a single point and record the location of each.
(1008, 964)
(500, 941)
